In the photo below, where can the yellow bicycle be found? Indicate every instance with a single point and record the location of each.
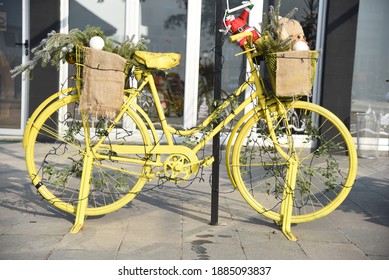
(293, 161)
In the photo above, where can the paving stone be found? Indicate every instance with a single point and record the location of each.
(172, 223)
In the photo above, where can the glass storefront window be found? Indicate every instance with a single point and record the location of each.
(233, 66)
(370, 88)
(164, 23)
(108, 15)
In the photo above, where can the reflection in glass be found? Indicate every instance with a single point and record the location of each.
(370, 89)
(233, 67)
(10, 57)
(164, 23)
(108, 15)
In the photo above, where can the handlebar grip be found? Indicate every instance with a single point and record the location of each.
(234, 38)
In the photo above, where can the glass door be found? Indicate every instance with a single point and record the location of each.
(14, 50)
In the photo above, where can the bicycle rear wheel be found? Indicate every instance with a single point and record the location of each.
(326, 159)
(56, 166)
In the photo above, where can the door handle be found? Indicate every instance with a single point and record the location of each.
(25, 44)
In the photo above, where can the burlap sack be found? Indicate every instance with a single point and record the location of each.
(103, 75)
(293, 74)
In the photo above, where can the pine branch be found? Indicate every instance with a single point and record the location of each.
(57, 46)
(271, 40)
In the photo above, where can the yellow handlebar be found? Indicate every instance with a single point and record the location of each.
(234, 38)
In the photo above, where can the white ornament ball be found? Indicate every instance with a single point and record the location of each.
(300, 46)
(96, 42)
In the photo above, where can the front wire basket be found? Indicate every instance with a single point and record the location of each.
(289, 73)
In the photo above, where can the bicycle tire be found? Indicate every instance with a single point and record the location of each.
(326, 154)
(55, 166)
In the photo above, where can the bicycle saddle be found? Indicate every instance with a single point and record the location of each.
(160, 61)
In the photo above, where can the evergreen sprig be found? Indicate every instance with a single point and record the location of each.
(271, 41)
(57, 47)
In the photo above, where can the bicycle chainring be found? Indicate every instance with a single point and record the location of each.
(179, 167)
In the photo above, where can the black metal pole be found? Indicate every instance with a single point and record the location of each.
(217, 96)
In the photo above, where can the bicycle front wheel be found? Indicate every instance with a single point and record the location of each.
(320, 144)
(55, 165)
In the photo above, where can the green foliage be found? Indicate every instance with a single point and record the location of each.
(271, 40)
(58, 47)
(309, 22)
(128, 47)
(60, 176)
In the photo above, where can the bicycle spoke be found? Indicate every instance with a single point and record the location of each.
(321, 151)
(58, 167)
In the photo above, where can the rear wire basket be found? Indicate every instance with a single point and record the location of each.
(80, 58)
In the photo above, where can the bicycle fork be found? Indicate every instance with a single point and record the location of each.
(83, 196)
(287, 202)
(291, 172)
